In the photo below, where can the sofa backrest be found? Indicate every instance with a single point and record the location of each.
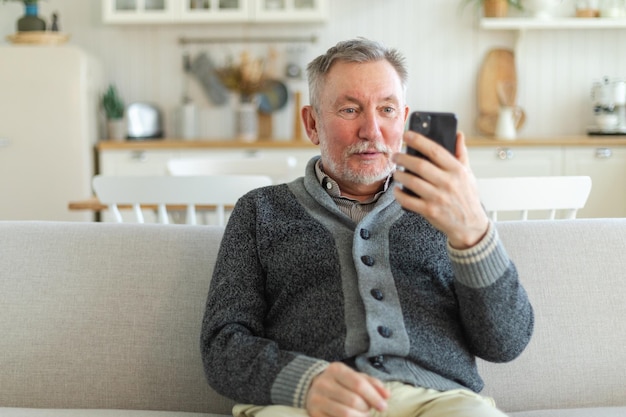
(575, 274)
(101, 315)
(97, 315)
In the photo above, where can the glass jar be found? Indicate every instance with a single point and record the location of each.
(587, 8)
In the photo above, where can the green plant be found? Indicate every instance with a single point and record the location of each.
(113, 104)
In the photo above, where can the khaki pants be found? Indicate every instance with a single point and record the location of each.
(405, 401)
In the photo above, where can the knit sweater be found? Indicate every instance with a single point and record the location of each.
(298, 285)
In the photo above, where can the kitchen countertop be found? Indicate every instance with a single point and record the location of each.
(582, 140)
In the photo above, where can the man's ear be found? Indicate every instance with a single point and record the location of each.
(309, 118)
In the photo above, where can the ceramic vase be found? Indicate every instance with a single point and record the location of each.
(116, 129)
(541, 9)
(246, 121)
(31, 21)
(495, 8)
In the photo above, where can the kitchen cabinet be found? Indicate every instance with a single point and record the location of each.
(606, 165)
(603, 159)
(505, 161)
(132, 11)
(290, 10)
(148, 161)
(215, 11)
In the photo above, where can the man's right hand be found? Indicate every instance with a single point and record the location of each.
(342, 391)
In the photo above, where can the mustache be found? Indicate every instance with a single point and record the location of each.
(362, 147)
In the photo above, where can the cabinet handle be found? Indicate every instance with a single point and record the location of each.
(604, 153)
(139, 156)
(504, 154)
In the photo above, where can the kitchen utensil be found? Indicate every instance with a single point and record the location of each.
(205, 72)
(273, 97)
(497, 86)
(506, 126)
(187, 113)
(144, 121)
(297, 119)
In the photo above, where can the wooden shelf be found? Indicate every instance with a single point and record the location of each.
(526, 23)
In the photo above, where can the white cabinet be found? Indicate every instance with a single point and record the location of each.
(605, 165)
(488, 162)
(607, 168)
(290, 10)
(132, 11)
(202, 11)
(154, 161)
(135, 162)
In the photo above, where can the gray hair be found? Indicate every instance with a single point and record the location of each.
(353, 50)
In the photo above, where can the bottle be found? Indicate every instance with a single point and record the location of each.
(31, 21)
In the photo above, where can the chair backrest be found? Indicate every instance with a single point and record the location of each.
(188, 192)
(523, 194)
(280, 169)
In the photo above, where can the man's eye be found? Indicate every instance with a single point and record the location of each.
(389, 110)
(348, 113)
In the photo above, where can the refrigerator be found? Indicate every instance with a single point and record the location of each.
(49, 113)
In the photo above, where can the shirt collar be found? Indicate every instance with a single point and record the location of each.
(332, 188)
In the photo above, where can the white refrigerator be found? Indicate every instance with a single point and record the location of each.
(49, 104)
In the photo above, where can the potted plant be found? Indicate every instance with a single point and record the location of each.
(495, 8)
(114, 110)
(30, 21)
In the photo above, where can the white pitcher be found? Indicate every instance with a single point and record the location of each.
(508, 118)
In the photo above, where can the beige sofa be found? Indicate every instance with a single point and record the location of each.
(102, 320)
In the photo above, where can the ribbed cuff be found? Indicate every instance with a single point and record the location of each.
(482, 264)
(292, 383)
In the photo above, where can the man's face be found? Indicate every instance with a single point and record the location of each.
(360, 121)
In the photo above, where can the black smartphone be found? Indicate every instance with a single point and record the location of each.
(440, 127)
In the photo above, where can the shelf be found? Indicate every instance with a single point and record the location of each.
(555, 23)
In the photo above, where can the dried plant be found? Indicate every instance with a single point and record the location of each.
(245, 77)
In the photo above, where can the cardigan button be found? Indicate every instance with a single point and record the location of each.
(377, 294)
(367, 260)
(378, 362)
(385, 331)
(365, 234)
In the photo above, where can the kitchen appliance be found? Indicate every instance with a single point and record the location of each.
(49, 105)
(144, 121)
(608, 98)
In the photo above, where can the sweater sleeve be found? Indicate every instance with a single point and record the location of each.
(239, 361)
(495, 310)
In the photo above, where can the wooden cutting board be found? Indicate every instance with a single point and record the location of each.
(498, 69)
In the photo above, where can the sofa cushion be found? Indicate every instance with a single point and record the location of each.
(578, 412)
(574, 272)
(47, 412)
(105, 316)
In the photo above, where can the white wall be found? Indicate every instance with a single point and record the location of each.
(443, 44)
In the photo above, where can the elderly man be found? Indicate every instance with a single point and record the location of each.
(339, 294)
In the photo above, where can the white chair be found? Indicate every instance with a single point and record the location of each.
(218, 191)
(280, 169)
(523, 194)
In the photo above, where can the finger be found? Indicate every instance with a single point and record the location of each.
(433, 151)
(461, 149)
(338, 389)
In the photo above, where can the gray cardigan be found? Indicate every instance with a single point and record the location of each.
(297, 285)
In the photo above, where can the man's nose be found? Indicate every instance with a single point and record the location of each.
(370, 125)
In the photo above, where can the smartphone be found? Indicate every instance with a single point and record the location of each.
(440, 127)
